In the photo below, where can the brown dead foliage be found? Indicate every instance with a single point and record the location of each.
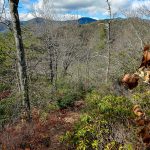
(39, 134)
(5, 94)
(143, 124)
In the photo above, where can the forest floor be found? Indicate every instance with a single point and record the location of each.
(68, 119)
(41, 134)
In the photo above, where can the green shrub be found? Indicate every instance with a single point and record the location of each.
(118, 108)
(83, 137)
(93, 98)
(110, 106)
(50, 107)
(9, 109)
(97, 125)
(89, 134)
(117, 146)
(4, 87)
(142, 99)
(68, 99)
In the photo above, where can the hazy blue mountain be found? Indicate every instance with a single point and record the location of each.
(33, 21)
(85, 20)
(5, 26)
(2, 27)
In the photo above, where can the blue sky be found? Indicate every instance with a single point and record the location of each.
(67, 9)
(86, 8)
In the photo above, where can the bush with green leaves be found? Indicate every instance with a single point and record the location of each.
(4, 87)
(118, 108)
(83, 135)
(142, 99)
(93, 134)
(9, 109)
(68, 93)
(7, 60)
(92, 99)
(68, 100)
(104, 123)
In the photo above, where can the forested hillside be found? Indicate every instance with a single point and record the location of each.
(77, 99)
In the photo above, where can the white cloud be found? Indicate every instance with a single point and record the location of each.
(1, 6)
(138, 4)
(4, 10)
(28, 16)
(70, 8)
(39, 4)
(119, 4)
(25, 1)
(138, 8)
(25, 16)
(89, 7)
(69, 17)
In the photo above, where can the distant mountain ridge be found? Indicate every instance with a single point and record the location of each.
(86, 20)
(5, 25)
(83, 20)
(2, 27)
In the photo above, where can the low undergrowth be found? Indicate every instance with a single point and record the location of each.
(107, 123)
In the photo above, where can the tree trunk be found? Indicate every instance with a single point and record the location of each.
(87, 68)
(51, 67)
(13, 6)
(108, 42)
(56, 70)
(65, 68)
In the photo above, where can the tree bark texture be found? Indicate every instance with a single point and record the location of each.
(22, 68)
(108, 40)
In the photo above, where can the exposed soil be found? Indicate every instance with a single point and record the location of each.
(41, 134)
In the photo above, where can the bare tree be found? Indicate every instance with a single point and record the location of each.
(22, 69)
(108, 39)
(144, 10)
(49, 35)
(60, 40)
(51, 44)
(70, 47)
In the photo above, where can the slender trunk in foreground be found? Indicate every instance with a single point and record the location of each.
(22, 70)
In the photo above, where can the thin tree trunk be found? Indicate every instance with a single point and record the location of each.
(13, 6)
(108, 65)
(65, 68)
(51, 67)
(17, 77)
(87, 68)
(108, 40)
(56, 70)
